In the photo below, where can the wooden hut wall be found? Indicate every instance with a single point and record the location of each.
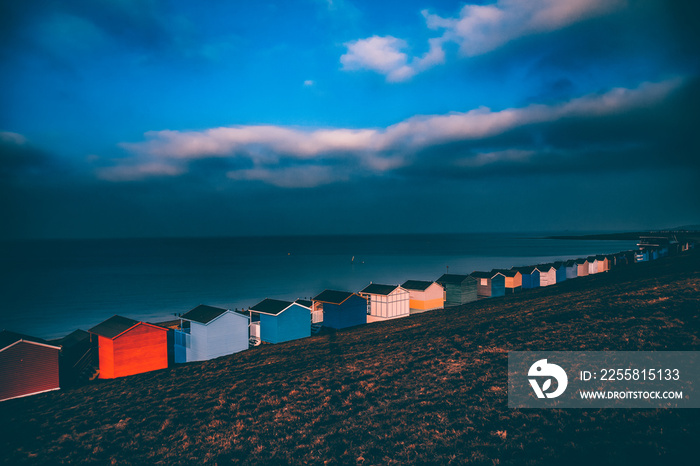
(467, 291)
(292, 324)
(27, 369)
(571, 270)
(227, 334)
(498, 285)
(548, 276)
(392, 306)
(560, 273)
(142, 348)
(484, 287)
(428, 299)
(350, 313)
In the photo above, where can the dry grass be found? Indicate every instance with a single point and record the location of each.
(430, 388)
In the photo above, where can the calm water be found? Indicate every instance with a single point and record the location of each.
(50, 288)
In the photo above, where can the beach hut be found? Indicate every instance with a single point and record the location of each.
(77, 359)
(28, 365)
(128, 347)
(209, 332)
(514, 280)
(548, 274)
(603, 263)
(571, 269)
(582, 267)
(282, 320)
(459, 289)
(530, 276)
(560, 267)
(592, 265)
(341, 309)
(490, 284)
(386, 302)
(424, 295)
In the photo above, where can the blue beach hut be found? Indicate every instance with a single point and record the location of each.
(560, 271)
(282, 320)
(208, 332)
(341, 309)
(531, 276)
(490, 284)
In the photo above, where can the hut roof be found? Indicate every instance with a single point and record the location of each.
(508, 273)
(333, 296)
(113, 326)
(203, 314)
(421, 285)
(490, 274)
(73, 338)
(526, 270)
(305, 302)
(544, 267)
(376, 288)
(570, 263)
(452, 278)
(8, 339)
(271, 306)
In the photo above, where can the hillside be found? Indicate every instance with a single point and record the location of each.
(429, 388)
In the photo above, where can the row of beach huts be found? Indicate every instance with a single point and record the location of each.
(121, 346)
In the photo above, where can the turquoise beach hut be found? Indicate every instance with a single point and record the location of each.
(341, 309)
(459, 289)
(490, 284)
(208, 332)
(282, 320)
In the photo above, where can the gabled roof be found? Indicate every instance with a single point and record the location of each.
(452, 278)
(73, 338)
(113, 326)
(570, 263)
(203, 314)
(376, 288)
(271, 307)
(507, 273)
(8, 339)
(420, 285)
(581, 261)
(544, 267)
(333, 296)
(526, 270)
(305, 302)
(490, 274)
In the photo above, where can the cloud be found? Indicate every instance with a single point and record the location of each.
(477, 30)
(302, 157)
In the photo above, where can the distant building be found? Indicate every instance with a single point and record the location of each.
(386, 302)
(424, 295)
(128, 347)
(282, 321)
(209, 332)
(341, 309)
(459, 289)
(490, 284)
(28, 365)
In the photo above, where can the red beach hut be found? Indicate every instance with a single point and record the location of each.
(28, 365)
(128, 347)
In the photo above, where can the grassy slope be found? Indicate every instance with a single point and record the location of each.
(429, 388)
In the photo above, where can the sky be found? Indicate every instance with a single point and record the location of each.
(148, 118)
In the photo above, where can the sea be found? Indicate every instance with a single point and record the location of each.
(49, 288)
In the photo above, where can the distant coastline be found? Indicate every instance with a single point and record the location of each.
(630, 235)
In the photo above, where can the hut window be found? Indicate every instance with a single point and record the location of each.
(484, 282)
